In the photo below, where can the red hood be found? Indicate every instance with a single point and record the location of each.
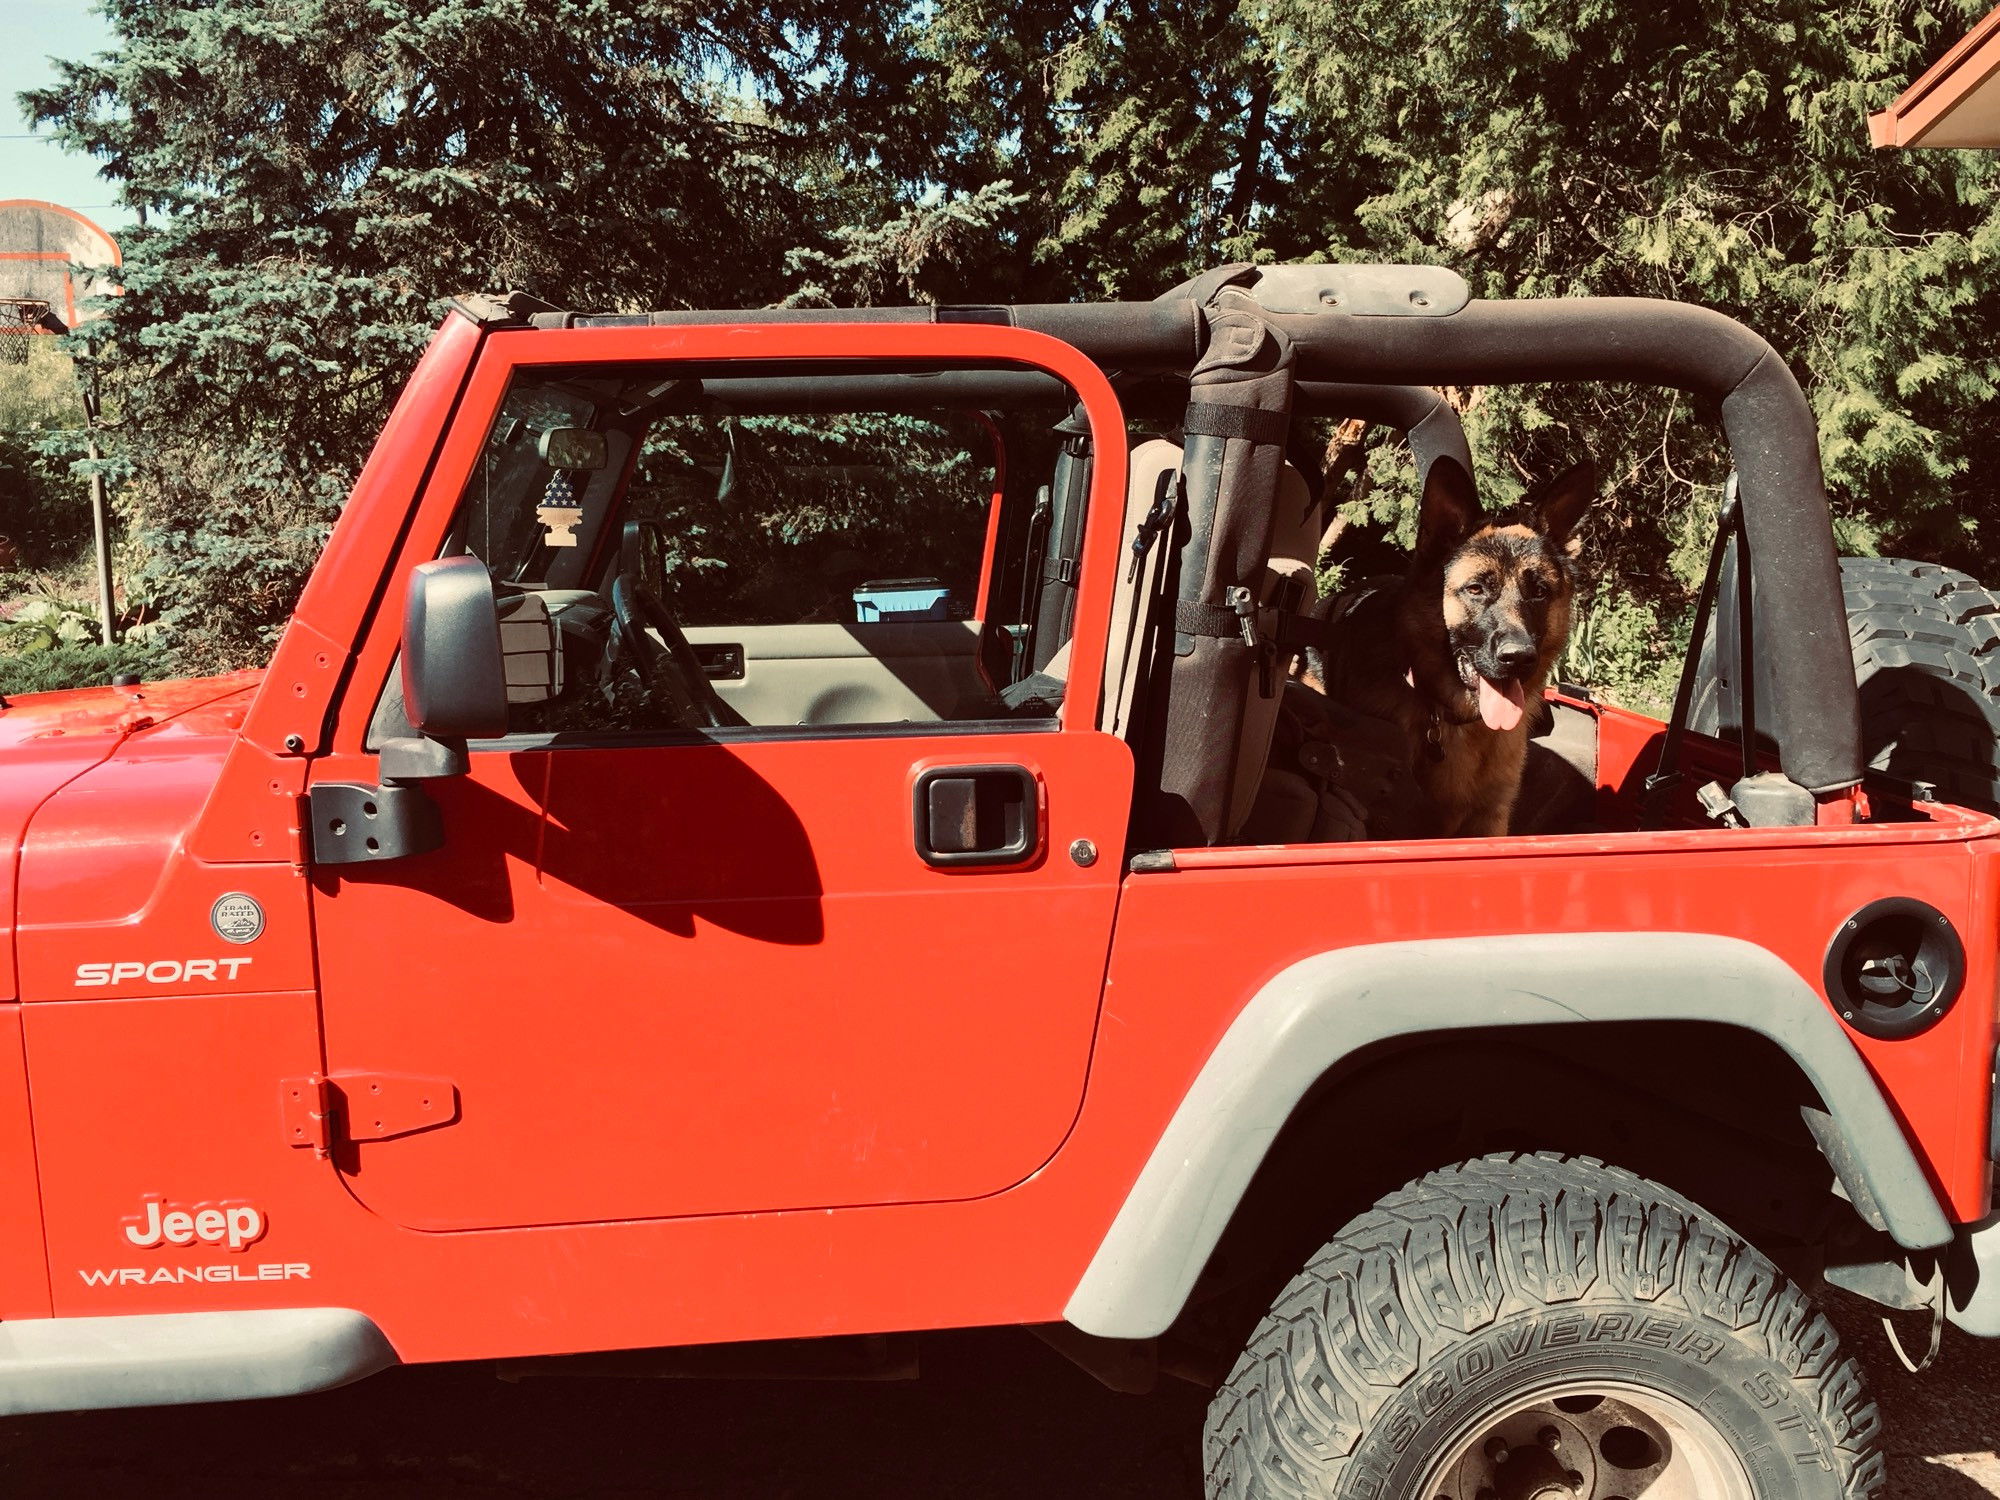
(47, 740)
(94, 712)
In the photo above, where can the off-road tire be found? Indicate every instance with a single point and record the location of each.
(1496, 1277)
(1926, 643)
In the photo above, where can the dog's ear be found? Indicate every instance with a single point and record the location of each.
(1559, 503)
(1448, 513)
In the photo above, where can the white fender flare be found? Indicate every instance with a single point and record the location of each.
(1328, 1007)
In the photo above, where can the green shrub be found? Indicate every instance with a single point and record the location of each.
(76, 664)
(1624, 651)
(43, 508)
(46, 625)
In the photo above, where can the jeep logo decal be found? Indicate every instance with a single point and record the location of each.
(232, 1223)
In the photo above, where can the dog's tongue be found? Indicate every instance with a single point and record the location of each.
(1500, 706)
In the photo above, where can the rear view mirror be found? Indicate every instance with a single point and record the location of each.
(573, 448)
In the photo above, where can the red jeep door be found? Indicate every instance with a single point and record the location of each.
(670, 973)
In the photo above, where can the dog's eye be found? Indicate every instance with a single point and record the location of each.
(1534, 586)
(1478, 588)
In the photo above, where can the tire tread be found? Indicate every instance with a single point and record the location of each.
(1937, 718)
(1456, 1250)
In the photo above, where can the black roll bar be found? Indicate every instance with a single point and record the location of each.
(1421, 414)
(1425, 418)
(1773, 441)
(1359, 326)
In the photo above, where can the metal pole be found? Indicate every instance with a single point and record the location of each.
(100, 515)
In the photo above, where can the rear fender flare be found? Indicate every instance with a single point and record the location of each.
(1328, 1007)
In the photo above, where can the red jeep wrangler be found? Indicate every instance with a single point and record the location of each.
(514, 969)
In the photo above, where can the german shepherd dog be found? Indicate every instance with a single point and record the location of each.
(1457, 650)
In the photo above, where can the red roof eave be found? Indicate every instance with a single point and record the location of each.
(1927, 113)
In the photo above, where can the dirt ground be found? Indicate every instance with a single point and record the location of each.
(995, 1415)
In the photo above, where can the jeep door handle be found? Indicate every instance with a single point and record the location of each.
(977, 815)
(721, 661)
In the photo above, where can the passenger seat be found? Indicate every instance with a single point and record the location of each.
(1288, 585)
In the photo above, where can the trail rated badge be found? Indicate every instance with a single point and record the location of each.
(236, 918)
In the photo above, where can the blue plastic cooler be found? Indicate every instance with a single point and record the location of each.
(902, 599)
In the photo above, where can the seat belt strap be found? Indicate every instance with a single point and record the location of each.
(1149, 569)
(1237, 618)
(1666, 774)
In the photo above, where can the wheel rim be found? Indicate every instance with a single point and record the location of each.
(1591, 1440)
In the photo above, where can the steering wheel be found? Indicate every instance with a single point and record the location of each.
(670, 674)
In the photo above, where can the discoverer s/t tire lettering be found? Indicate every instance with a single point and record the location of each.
(1463, 1295)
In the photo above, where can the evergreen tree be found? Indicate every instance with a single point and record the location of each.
(1135, 144)
(316, 176)
(1712, 152)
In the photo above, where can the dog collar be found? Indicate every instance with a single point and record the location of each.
(1433, 730)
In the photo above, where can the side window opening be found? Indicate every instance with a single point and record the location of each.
(773, 550)
(794, 520)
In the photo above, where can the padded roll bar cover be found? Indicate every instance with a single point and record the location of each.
(1062, 550)
(1294, 547)
(678, 316)
(1167, 334)
(1772, 438)
(1163, 335)
(963, 389)
(1188, 752)
(1399, 406)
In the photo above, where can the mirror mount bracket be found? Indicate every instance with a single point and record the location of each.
(353, 824)
(419, 758)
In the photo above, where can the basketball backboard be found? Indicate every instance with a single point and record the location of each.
(51, 263)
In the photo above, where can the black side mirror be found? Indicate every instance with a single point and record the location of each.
(454, 689)
(454, 676)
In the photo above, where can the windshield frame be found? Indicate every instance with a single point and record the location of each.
(505, 354)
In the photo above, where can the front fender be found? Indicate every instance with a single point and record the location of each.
(1328, 1007)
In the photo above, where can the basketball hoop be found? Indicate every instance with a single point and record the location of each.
(20, 320)
(53, 261)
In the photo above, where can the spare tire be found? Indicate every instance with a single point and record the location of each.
(1926, 643)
